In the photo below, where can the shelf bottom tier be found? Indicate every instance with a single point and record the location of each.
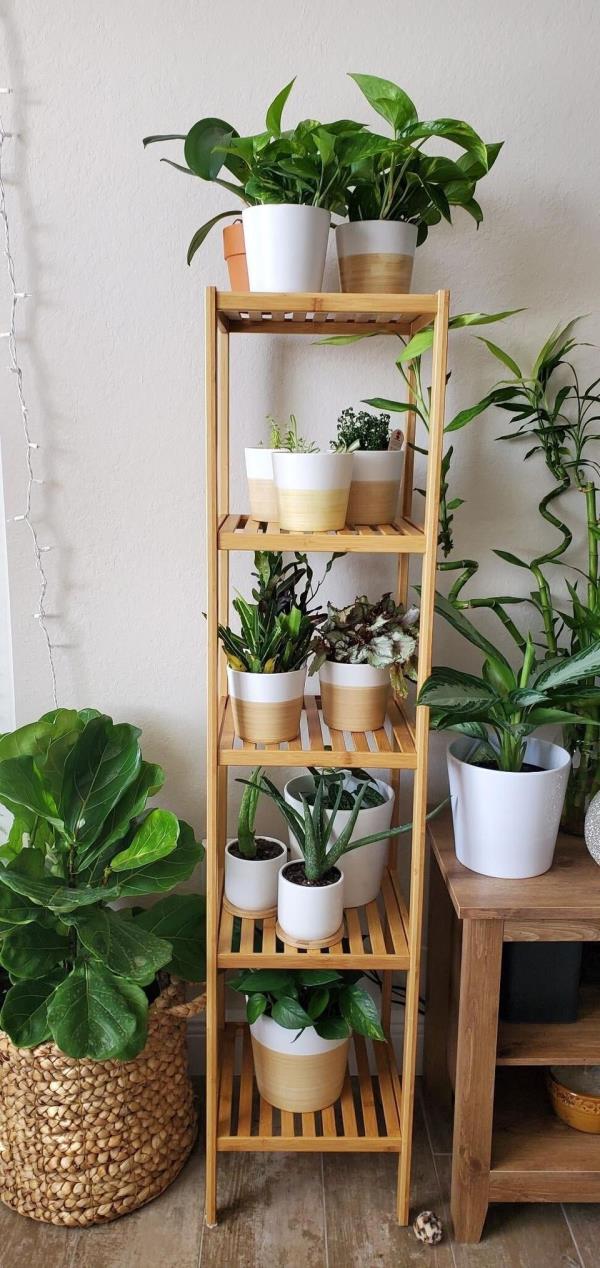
(366, 1117)
(535, 1156)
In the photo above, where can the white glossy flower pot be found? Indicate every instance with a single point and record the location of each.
(266, 707)
(297, 1072)
(354, 697)
(251, 884)
(376, 255)
(261, 489)
(506, 824)
(312, 489)
(286, 245)
(376, 476)
(309, 913)
(364, 868)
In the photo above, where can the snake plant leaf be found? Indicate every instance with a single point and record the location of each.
(122, 945)
(180, 919)
(359, 1010)
(24, 1015)
(22, 788)
(103, 763)
(94, 1013)
(165, 873)
(155, 839)
(33, 950)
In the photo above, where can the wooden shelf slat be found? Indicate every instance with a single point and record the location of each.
(258, 945)
(241, 532)
(376, 1128)
(572, 1043)
(300, 312)
(317, 746)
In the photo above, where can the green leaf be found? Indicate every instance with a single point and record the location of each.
(167, 872)
(148, 781)
(201, 156)
(24, 1012)
(93, 1013)
(25, 876)
(584, 664)
(463, 626)
(101, 766)
(275, 111)
(359, 1010)
(26, 741)
(205, 229)
(15, 910)
(22, 787)
(33, 950)
(502, 356)
(247, 981)
(318, 1002)
(332, 1028)
(318, 977)
(511, 559)
(465, 416)
(390, 101)
(255, 1007)
(154, 840)
(451, 690)
(123, 945)
(180, 919)
(287, 1012)
(167, 136)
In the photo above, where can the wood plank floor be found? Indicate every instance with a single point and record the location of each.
(310, 1211)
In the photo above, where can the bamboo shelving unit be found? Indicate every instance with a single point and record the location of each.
(375, 1110)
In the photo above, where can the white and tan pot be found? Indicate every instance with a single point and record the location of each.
(261, 490)
(266, 707)
(251, 884)
(376, 255)
(364, 868)
(286, 245)
(354, 697)
(376, 476)
(309, 913)
(506, 823)
(312, 490)
(297, 1072)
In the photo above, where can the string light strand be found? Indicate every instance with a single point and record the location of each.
(16, 296)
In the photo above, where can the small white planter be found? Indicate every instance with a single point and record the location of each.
(354, 697)
(376, 255)
(286, 245)
(266, 707)
(364, 868)
(376, 476)
(506, 824)
(310, 913)
(261, 490)
(312, 489)
(251, 884)
(297, 1072)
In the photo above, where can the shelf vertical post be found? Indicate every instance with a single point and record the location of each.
(212, 706)
(428, 582)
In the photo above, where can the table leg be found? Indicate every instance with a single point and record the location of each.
(481, 962)
(437, 1008)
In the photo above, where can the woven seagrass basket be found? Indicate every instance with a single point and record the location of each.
(82, 1142)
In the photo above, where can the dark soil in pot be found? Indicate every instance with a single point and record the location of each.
(265, 850)
(295, 873)
(526, 769)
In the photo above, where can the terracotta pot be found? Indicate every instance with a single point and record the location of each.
(300, 1073)
(234, 250)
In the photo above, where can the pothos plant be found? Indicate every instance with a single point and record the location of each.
(82, 837)
(329, 1001)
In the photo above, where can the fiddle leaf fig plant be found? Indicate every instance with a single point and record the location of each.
(83, 836)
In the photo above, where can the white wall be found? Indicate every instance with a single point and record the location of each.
(112, 341)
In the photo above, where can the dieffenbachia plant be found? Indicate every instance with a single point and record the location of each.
(82, 837)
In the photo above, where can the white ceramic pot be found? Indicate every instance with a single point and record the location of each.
(266, 707)
(261, 490)
(376, 255)
(310, 913)
(506, 824)
(354, 697)
(376, 476)
(286, 245)
(251, 884)
(297, 1072)
(312, 489)
(364, 868)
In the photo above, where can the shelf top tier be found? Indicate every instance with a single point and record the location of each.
(321, 313)
(241, 532)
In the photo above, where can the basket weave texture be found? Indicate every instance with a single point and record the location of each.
(83, 1142)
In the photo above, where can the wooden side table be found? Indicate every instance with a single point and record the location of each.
(508, 1146)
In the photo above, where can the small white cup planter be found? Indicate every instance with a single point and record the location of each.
(376, 255)
(251, 884)
(364, 868)
(354, 697)
(297, 1072)
(266, 707)
(309, 913)
(505, 823)
(376, 476)
(286, 245)
(261, 490)
(312, 490)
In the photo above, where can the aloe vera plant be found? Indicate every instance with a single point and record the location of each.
(82, 836)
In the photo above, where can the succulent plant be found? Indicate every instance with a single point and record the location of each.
(369, 431)
(382, 634)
